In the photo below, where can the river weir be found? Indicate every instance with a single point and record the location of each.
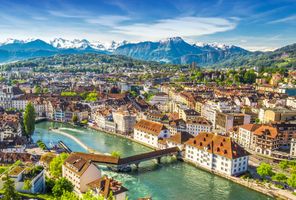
(168, 180)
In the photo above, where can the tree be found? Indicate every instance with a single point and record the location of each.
(55, 166)
(250, 77)
(68, 196)
(116, 154)
(257, 120)
(27, 185)
(37, 89)
(10, 192)
(284, 164)
(62, 185)
(264, 170)
(29, 119)
(89, 196)
(280, 178)
(292, 181)
(49, 182)
(92, 96)
(74, 119)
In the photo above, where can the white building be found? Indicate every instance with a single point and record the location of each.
(245, 134)
(124, 121)
(200, 124)
(7, 94)
(217, 153)
(148, 132)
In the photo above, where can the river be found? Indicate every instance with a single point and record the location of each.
(172, 180)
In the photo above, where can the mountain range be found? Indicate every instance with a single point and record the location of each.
(171, 50)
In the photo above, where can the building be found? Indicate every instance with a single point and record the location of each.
(293, 148)
(276, 114)
(149, 132)
(124, 120)
(200, 124)
(10, 127)
(178, 140)
(189, 114)
(104, 186)
(245, 133)
(80, 172)
(217, 153)
(7, 94)
(225, 121)
(34, 174)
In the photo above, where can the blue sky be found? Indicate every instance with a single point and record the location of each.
(252, 24)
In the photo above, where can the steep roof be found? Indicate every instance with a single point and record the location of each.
(150, 127)
(180, 138)
(217, 144)
(265, 129)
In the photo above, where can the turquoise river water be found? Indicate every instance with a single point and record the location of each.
(172, 180)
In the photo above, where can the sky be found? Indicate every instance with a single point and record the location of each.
(252, 24)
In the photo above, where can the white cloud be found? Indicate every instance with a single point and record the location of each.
(108, 20)
(291, 18)
(184, 27)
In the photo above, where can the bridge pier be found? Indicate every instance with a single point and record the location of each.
(137, 165)
(158, 160)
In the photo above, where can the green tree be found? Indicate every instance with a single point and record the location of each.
(37, 89)
(89, 196)
(55, 166)
(280, 178)
(264, 170)
(29, 119)
(284, 164)
(250, 77)
(27, 185)
(49, 182)
(92, 96)
(292, 181)
(62, 185)
(10, 192)
(74, 119)
(116, 154)
(68, 196)
(257, 120)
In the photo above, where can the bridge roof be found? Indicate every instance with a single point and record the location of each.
(101, 158)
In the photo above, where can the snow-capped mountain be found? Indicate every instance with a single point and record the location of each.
(61, 43)
(13, 41)
(169, 50)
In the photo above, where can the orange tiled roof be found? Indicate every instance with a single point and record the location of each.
(150, 127)
(265, 129)
(217, 144)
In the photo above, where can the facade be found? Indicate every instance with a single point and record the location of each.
(10, 127)
(217, 153)
(149, 132)
(80, 172)
(7, 94)
(225, 121)
(245, 134)
(124, 121)
(200, 124)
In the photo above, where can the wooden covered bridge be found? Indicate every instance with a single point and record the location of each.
(122, 164)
